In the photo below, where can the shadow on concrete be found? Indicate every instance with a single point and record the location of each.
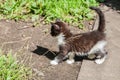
(42, 51)
(45, 52)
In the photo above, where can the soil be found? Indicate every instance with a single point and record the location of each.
(35, 47)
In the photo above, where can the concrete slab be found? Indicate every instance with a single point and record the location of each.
(110, 69)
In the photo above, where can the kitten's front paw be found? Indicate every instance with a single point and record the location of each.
(70, 61)
(53, 62)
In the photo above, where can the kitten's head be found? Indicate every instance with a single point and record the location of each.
(58, 27)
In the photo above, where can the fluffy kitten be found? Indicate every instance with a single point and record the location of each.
(80, 44)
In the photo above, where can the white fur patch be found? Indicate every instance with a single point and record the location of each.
(54, 62)
(98, 46)
(61, 39)
(80, 53)
(70, 61)
(100, 61)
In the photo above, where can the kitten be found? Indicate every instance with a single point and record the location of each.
(80, 44)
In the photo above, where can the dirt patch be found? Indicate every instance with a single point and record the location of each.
(35, 47)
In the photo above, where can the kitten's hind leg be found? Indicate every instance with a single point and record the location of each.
(71, 56)
(100, 57)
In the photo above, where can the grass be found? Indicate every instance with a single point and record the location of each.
(11, 69)
(71, 11)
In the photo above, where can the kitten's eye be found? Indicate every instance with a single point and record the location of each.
(56, 27)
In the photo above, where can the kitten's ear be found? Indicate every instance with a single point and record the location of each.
(57, 27)
(51, 23)
(58, 20)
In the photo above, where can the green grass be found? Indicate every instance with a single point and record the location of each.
(11, 69)
(71, 11)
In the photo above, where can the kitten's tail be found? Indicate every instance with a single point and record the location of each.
(101, 26)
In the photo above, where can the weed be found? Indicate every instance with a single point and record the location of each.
(101, 1)
(11, 69)
(71, 11)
